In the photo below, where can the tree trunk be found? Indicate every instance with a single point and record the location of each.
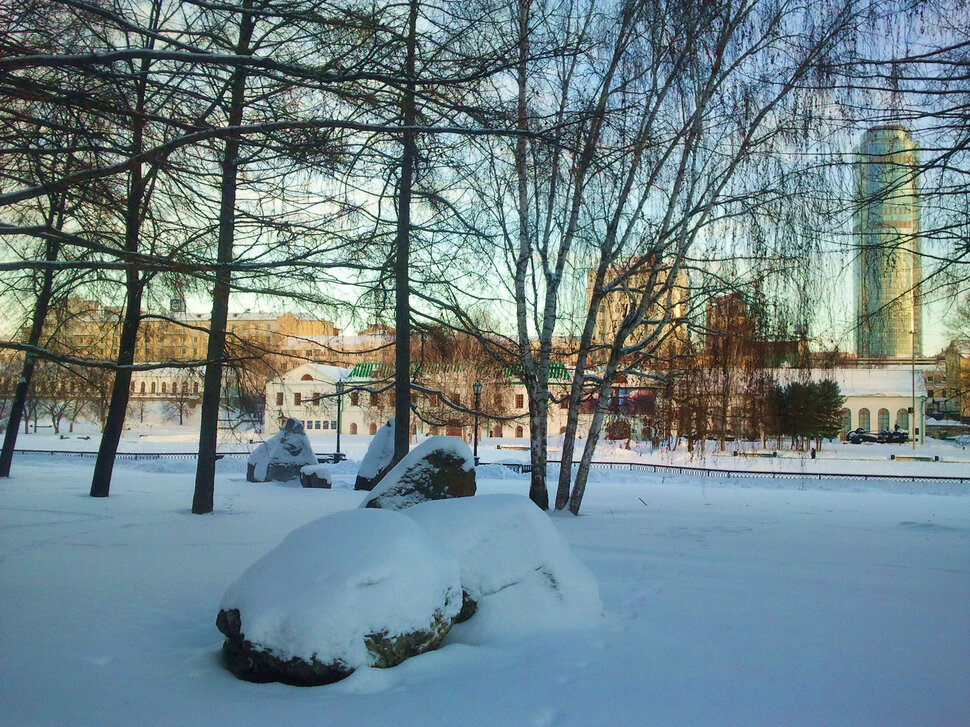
(115, 422)
(205, 472)
(18, 408)
(402, 311)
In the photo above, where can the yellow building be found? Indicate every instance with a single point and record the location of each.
(619, 302)
(87, 329)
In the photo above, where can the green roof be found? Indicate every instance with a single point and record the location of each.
(557, 372)
(362, 370)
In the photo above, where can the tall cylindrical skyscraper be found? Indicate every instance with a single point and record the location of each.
(889, 308)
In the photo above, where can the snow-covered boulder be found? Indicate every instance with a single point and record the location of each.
(316, 475)
(377, 459)
(515, 565)
(438, 468)
(281, 457)
(359, 588)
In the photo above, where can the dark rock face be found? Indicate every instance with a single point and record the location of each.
(280, 458)
(257, 664)
(377, 461)
(315, 479)
(436, 470)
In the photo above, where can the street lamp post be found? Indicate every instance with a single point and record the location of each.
(340, 391)
(477, 388)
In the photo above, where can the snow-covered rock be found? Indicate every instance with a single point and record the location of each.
(316, 475)
(281, 457)
(438, 468)
(377, 459)
(515, 564)
(354, 589)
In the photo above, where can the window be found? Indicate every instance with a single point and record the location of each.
(519, 404)
(564, 404)
(373, 429)
(333, 425)
(316, 397)
(306, 377)
(518, 432)
(456, 398)
(153, 387)
(497, 431)
(195, 387)
(142, 389)
(846, 417)
(883, 420)
(498, 402)
(902, 419)
(326, 425)
(864, 422)
(297, 399)
(355, 399)
(435, 401)
(929, 393)
(164, 388)
(375, 400)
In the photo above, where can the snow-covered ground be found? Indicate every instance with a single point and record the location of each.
(727, 602)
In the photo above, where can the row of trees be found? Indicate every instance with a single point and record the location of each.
(504, 168)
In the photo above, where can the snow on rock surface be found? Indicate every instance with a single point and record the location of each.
(438, 468)
(515, 564)
(377, 459)
(281, 457)
(353, 589)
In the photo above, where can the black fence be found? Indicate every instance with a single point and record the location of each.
(526, 467)
(130, 455)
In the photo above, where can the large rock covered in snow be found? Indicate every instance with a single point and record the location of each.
(377, 459)
(515, 566)
(439, 468)
(359, 588)
(281, 457)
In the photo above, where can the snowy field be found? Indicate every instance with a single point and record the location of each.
(726, 602)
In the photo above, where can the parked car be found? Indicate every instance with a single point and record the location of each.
(860, 435)
(894, 437)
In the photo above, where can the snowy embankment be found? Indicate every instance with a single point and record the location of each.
(726, 602)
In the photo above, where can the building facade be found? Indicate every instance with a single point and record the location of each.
(887, 238)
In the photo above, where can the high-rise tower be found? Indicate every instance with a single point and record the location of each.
(889, 307)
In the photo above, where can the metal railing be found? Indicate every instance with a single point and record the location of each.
(526, 467)
(129, 455)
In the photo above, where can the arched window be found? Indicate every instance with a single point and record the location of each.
(142, 387)
(175, 387)
(497, 431)
(518, 432)
(306, 377)
(195, 387)
(562, 430)
(373, 429)
(164, 387)
(846, 417)
(902, 419)
(355, 398)
(864, 422)
(353, 428)
(153, 387)
(883, 420)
